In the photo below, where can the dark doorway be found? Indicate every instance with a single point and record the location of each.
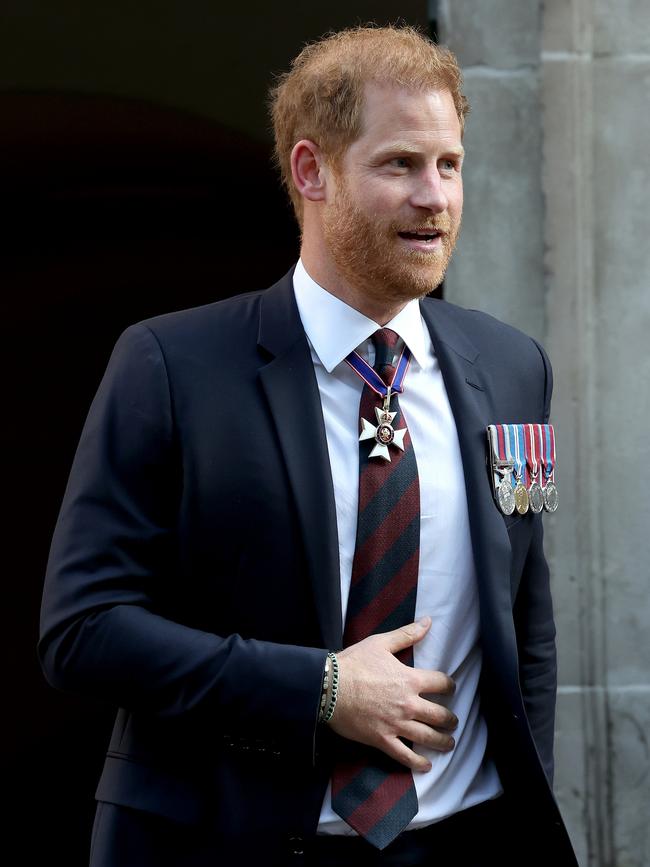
(118, 210)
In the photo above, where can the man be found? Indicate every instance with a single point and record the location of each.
(279, 553)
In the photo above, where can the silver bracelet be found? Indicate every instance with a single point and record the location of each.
(324, 688)
(331, 686)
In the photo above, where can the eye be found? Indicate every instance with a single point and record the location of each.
(401, 162)
(449, 165)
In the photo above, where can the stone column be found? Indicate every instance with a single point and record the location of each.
(499, 264)
(556, 242)
(596, 178)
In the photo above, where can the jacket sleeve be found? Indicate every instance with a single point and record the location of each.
(535, 627)
(101, 633)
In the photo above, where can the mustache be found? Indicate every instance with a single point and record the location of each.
(439, 223)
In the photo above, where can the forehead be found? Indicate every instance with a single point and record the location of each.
(397, 114)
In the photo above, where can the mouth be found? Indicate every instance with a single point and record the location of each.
(425, 240)
(427, 236)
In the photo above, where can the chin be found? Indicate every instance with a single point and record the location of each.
(416, 282)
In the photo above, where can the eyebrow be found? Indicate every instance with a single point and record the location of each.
(405, 148)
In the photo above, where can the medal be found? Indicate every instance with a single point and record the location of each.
(511, 447)
(535, 495)
(521, 494)
(505, 494)
(547, 437)
(535, 498)
(550, 497)
(522, 458)
(383, 431)
(503, 466)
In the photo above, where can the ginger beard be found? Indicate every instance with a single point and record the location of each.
(369, 254)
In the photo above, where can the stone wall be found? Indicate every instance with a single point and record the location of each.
(555, 242)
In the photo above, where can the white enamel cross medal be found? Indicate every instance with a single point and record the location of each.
(383, 432)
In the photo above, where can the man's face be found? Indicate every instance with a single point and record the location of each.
(391, 224)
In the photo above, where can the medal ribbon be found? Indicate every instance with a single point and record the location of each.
(508, 450)
(494, 440)
(548, 439)
(539, 445)
(372, 378)
(521, 453)
(551, 430)
(504, 448)
(496, 451)
(514, 445)
(501, 450)
(531, 452)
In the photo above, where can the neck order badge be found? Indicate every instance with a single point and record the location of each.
(373, 793)
(384, 380)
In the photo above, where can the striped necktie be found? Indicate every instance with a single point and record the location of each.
(372, 792)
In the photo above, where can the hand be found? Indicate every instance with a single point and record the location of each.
(380, 699)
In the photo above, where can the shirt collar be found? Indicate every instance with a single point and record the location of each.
(334, 328)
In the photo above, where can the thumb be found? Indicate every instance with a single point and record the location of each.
(407, 636)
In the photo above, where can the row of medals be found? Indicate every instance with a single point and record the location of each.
(521, 498)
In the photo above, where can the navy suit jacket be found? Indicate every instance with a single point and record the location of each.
(193, 579)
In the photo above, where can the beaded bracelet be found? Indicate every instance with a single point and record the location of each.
(324, 688)
(329, 689)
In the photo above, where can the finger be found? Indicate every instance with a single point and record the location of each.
(436, 715)
(397, 749)
(434, 682)
(425, 736)
(407, 636)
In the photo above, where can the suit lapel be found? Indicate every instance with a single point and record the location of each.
(290, 386)
(468, 389)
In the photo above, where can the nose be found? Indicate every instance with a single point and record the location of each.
(428, 192)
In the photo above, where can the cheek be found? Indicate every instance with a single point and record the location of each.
(459, 196)
(377, 203)
(379, 199)
(455, 202)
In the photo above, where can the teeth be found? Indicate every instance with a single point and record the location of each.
(427, 237)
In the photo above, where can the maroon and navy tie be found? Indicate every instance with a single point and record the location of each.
(373, 793)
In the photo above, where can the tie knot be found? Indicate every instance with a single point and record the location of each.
(385, 343)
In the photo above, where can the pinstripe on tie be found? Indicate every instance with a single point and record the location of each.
(373, 793)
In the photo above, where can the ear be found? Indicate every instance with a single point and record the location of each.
(307, 169)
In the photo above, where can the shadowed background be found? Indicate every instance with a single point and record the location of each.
(136, 179)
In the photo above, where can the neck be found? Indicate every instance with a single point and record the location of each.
(326, 275)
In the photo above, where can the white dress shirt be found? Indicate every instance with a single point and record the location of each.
(447, 590)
